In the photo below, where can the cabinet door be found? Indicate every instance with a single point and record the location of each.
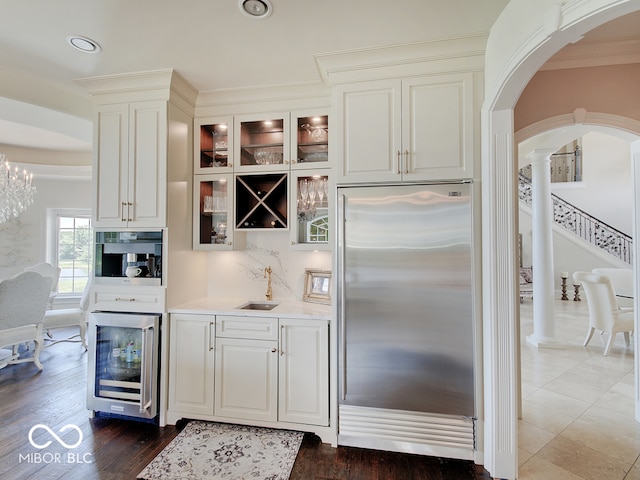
(310, 219)
(213, 143)
(304, 372)
(131, 165)
(212, 212)
(261, 142)
(111, 164)
(246, 379)
(147, 169)
(369, 131)
(437, 127)
(309, 139)
(191, 363)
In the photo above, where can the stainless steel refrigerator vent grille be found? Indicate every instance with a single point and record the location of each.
(412, 432)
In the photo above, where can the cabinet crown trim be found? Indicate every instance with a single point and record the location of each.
(439, 56)
(159, 83)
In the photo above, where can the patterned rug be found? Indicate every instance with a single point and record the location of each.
(206, 450)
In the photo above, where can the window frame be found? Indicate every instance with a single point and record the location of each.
(53, 231)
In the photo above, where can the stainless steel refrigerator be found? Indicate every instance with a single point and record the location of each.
(405, 308)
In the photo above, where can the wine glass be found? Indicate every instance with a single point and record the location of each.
(320, 189)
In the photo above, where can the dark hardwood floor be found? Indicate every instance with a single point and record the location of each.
(113, 449)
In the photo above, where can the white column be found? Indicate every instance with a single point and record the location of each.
(635, 172)
(542, 251)
(500, 302)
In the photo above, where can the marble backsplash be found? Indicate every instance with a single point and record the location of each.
(241, 273)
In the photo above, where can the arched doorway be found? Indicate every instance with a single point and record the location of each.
(534, 34)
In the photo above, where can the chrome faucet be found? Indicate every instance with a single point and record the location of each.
(267, 274)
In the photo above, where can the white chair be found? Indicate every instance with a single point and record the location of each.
(23, 301)
(622, 281)
(47, 270)
(604, 311)
(68, 317)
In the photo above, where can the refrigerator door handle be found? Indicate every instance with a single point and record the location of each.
(342, 347)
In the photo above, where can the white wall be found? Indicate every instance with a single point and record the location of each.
(605, 193)
(607, 190)
(23, 241)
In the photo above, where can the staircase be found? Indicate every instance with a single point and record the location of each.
(582, 224)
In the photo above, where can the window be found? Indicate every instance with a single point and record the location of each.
(73, 251)
(318, 230)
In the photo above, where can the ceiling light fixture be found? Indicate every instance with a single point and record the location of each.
(255, 8)
(84, 44)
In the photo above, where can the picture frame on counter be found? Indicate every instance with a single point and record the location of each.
(317, 286)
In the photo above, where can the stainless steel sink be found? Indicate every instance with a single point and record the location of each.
(259, 305)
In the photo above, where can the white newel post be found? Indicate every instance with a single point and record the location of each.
(542, 251)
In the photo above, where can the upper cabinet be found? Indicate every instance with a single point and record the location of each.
(310, 139)
(212, 204)
(416, 128)
(213, 145)
(130, 164)
(262, 142)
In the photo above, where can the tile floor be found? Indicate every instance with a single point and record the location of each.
(577, 405)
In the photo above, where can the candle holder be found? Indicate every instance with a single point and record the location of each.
(564, 289)
(576, 296)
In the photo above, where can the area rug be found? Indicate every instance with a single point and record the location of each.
(207, 450)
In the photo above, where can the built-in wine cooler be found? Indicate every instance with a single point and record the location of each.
(123, 364)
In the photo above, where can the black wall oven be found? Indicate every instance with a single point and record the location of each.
(123, 365)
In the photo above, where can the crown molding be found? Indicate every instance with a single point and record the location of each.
(596, 54)
(263, 98)
(440, 56)
(138, 86)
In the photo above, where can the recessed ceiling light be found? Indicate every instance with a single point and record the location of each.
(84, 44)
(255, 8)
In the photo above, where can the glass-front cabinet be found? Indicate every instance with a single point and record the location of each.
(310, 139)
(213, 145)
(262, 142)
(310, 208)
(213, 223)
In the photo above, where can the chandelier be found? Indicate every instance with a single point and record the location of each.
(16, 190)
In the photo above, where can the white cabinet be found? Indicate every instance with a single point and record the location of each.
(246, 380)
(130, 163)
(310, 224)
(191, 364)
(261, 142)
(248, 368)
(309, 139)
(213, 145)
(304, 372)
(213, 212)
(406, 129)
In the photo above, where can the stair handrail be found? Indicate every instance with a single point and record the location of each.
(580, 223)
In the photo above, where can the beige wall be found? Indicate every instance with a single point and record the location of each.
(607, 89)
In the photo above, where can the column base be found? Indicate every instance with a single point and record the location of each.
(544, 342)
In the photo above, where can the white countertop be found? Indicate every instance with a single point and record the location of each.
(229, 306)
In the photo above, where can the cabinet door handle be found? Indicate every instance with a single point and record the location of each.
(122, 217)
(230, 165)
(281, 339)
(274, 350)
(129, 205)
(406, 161)
(212, 329)
(399, 162)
